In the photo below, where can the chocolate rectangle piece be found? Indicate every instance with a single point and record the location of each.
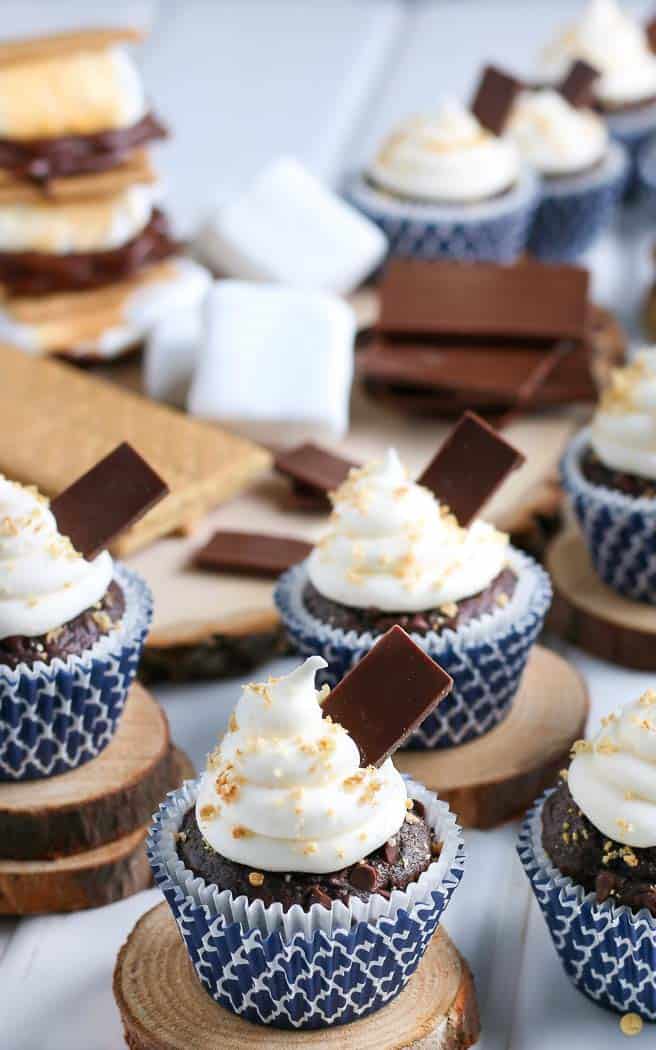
(385, 696)
(251, 553)
(495, 94)
(577, 86)
(650, 33)
(470, 466)
(528, 300)
(108, 499)
(313, 467)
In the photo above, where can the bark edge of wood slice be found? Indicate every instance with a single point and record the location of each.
(497, 776)
(588, 613)
(163, 1005)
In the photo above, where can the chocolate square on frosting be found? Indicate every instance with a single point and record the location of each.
(494, 97)
(387, 695)
(106, 500)
(577, 86)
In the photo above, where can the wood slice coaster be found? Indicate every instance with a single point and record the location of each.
(163, 1005)
(497, 776)
(590, 614)
(100, 801)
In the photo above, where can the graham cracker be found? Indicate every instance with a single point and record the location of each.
(56, 422)
(136, 168)
(52, 45)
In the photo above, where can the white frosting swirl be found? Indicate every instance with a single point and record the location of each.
(623, 432)
(393, 547)
(612, 779)
(607, 38)
(44, 582)
(446, 157)
(555, 137)
(284, 790)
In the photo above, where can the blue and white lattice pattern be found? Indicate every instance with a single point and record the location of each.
(620, 531)
(574, 211)
(609, 952)
(494, 231)
(329, 973)
(54, 717)
(633, 129)
(485, 660)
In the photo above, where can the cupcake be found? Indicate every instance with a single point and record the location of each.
(306, 886)
(443, 186)
(614, 44)
(394, 555)
(581, 174)
(71, 631)
(589, 849)
(609, 472)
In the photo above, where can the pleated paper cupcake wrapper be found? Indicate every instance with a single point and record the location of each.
(646, 166)
(56, 716)
(633, 129)
(619, 530)
(574, 211)
(485, 657)
(495, 230)
(609, 952)
(300, 969)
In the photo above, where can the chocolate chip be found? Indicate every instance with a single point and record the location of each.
(363, 877)
(605, 884)
(317, 896)
(391, 851)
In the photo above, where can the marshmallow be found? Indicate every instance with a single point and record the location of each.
(170, 355)
(287, 227)
(276, 363)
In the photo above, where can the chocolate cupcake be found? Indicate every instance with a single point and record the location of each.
(589, 848)
(71, 631)
(288, 857)
(609, 473)
(445, 187)
(394, 555)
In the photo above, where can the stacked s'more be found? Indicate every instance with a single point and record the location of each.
(87, 260)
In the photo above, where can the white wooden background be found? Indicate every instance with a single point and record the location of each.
(241, 81)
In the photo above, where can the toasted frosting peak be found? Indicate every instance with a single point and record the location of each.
(623, 433)
(555, 137)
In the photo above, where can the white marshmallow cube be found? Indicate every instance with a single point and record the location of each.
(170, 356)
(288, 227)
(276, 363)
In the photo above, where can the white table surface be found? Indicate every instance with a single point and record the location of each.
(241, 82)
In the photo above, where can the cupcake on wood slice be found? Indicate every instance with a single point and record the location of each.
(306, 875)
(589, 849)
(72, 622)
(417, 555)
(609, 473)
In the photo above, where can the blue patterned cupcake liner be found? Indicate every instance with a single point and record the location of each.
(56, 716)
(632, 128)
(646, 166)
(575, 209)
(619, 530)
(494, 230)
(608, 951)
(297, 969)
(485, 657)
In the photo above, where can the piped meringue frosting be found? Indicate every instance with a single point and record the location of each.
(284, 789)
(73, 94)
(554, 137)
(623, 432)
(612, 778)
(447, 157)
(44, 581)
(393, 547)
(611, 41)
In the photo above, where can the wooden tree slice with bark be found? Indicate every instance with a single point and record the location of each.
(103, 800)
(163, 1005)
(497, 776)
(590, 614)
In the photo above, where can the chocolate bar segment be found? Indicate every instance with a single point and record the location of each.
(251, 553)
(106, 500)
(470, 467)
(387, 695)
(577, 86)
(494, 98)
(314, 471)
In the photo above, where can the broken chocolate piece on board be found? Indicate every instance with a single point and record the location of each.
(470, 466)
(495, 94)
(577, 86)
(251, 553)
(385, 696)
(105, 501)
(314, 471)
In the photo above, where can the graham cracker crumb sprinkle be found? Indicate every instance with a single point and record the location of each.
(624, 825)
(209, 812)
(309, 848)
(227, 784)
(449, 609)
(102, 619)
(648, 698)
(502, 599)
(240, 832)
(409, 803)
(256, 878)
(581, 747)
(631, 1024)
(233, 725)
(261, 689)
